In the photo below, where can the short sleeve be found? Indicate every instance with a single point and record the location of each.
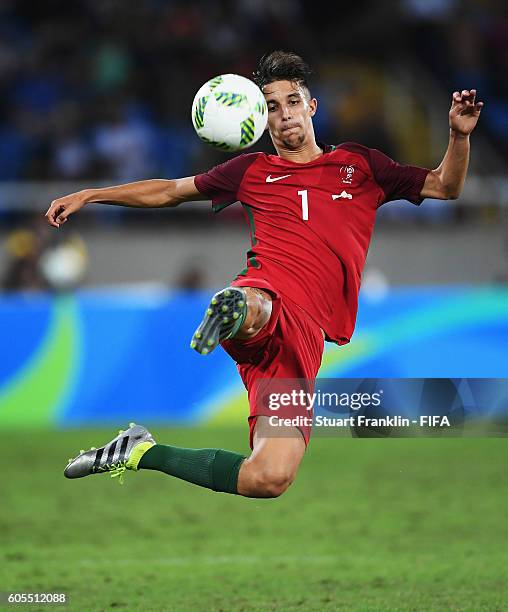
(222, 183)
(398, 182)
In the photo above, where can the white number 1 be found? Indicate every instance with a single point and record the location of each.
(305, 204)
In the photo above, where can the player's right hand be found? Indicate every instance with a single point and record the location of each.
(61, 208)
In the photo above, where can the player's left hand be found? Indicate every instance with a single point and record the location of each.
(464, 112)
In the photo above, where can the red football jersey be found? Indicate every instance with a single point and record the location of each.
(311, 223)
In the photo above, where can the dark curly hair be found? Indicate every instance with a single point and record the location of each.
(281, 66)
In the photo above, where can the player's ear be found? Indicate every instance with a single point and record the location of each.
(313, 106)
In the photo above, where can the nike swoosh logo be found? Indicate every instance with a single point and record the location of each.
(270, 179)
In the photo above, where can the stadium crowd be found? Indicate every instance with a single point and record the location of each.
(102, 89)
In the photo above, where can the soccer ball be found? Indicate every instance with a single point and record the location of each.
(229, 112)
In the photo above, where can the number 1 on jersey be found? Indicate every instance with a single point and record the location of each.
(305, 204)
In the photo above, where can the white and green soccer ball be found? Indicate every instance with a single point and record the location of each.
(229, 112)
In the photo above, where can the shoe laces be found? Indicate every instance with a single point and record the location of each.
(116, 470)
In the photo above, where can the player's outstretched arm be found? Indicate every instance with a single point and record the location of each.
(155, 193)
(446, 181)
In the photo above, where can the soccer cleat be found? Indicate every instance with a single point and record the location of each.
(223, 318)
(122, 453)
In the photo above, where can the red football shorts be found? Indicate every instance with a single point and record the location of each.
(290, 346)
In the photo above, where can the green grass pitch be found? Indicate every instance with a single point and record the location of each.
(371, 524)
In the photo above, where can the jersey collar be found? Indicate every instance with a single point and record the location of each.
(284, 162)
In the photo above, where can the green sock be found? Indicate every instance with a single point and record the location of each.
(212, 468)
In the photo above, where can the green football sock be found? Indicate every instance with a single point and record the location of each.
(212, 468)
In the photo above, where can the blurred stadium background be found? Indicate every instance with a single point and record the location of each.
(116, 108)
(96, 317)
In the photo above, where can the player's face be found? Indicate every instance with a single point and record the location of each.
(290, 112)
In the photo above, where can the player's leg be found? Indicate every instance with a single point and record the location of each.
(274, 461)
(259, 310)
(233, 312)
(135, 449)
(268, 472)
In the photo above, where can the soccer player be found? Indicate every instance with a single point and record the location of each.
(311, 209)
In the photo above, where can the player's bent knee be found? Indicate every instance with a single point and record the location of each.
(273, 482)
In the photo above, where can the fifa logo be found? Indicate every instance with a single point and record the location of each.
(346, 173)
